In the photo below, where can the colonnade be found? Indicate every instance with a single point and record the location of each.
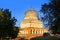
(32, 31)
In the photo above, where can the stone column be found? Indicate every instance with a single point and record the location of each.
(35, 31)
(40, 31)
(32, 31)
(27, 32)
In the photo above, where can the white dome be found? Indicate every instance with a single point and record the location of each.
(31, 14)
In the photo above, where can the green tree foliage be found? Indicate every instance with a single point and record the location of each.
(15, 32)
(0, 12)
(51, 13)
(7, 24)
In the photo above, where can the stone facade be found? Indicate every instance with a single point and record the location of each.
(31, 26)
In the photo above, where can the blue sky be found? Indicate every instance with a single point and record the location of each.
(18, 7)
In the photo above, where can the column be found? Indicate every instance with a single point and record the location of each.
(42, 31)
(27, 32)
(32, 31)
(39, 31)
(35, 31)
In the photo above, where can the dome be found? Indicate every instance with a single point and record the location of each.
(31, 13)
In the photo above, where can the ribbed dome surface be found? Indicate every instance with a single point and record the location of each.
(31, 13)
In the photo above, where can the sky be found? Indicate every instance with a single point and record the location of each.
(18, 7)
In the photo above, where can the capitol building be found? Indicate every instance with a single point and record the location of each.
(31, 26)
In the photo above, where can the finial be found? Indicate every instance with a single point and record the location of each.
(31, 8)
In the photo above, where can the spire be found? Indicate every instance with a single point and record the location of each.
(31, 8)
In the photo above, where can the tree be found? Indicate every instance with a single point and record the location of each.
(1, 26)
(7, 23)
(51, 13)
(15, 32)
